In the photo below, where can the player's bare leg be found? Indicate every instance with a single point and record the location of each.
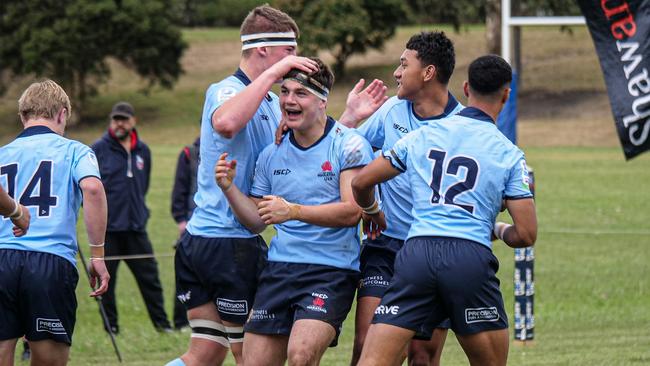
(7, 350)
(49, 353)
(488, 348)
(427, 353)
(385, 345)
(366, 306)
(204, 351)
(308, 342)
(236, 345)
(265, 350)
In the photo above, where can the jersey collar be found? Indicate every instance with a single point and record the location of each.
(241, 76)
(328, 127)
(452, 103)
(35, 130)
(475, 113)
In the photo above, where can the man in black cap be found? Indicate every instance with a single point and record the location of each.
(125, 167)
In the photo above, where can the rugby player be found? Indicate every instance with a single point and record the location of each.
(50, 175)
(460, 169)
(302, 186)
(423, 74)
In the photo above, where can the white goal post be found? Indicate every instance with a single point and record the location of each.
(508, 21)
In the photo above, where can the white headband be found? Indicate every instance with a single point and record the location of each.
(268, 39)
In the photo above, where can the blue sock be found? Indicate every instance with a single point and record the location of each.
(176, 362)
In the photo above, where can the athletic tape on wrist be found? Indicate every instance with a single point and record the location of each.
(17, 213)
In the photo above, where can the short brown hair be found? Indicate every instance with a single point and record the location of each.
(43, 100)
(265, 19)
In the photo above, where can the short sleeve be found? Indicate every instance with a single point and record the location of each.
(398, 154)
(518, 184)
(355, 151)
(85, 165)
(261, 180)
(373, 129)
(218, 94)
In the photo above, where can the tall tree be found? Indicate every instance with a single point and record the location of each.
(71, 40)
(344, 27)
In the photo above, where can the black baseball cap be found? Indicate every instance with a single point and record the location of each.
(122, 109)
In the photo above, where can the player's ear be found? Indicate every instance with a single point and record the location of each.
(262, 51)
(466, 88)
(62, 116)
(430, 72)
(505, 95)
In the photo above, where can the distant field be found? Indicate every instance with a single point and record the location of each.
(592, 273)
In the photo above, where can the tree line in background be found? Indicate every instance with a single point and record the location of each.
(71, 40)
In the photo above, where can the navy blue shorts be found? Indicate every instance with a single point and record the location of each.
(220, 270)
(437, 278)
(377, 261)
(37, 296)
(294, 291)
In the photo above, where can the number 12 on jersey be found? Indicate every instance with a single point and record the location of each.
(452, 168)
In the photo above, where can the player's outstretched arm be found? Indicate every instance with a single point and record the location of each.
(17, 213)
(244, 207)
(523, 232)
(276, 210)
(362, 103)
(233, 115)
(95, 216)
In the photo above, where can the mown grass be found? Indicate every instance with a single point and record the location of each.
(592, 276)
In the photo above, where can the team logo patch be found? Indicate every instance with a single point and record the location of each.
(183, 298)
(326, 171)
(525, 177)
(318, 303)
(53, 326)
(139, 162)
(92, 159)
(225, 93)
(235, 307)
(477, 315)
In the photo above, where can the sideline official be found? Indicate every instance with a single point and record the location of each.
(125, 166)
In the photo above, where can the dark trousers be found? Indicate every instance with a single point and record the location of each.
(144, 270)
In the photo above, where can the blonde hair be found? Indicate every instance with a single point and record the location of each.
(43, 100)
(265, 19)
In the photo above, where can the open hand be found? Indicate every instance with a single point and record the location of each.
(224, 172)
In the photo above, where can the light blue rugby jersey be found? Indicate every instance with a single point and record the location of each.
(44, 169)
(310, 176)
(460, 169)
(213, 217)
(383, 129)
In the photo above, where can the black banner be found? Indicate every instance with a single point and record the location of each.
(621, 33)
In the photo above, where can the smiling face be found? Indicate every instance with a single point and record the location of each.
(409, 75)
(301, 109)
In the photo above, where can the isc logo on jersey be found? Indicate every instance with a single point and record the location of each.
(385, 310)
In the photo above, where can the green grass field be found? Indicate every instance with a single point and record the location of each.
(592, 274)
